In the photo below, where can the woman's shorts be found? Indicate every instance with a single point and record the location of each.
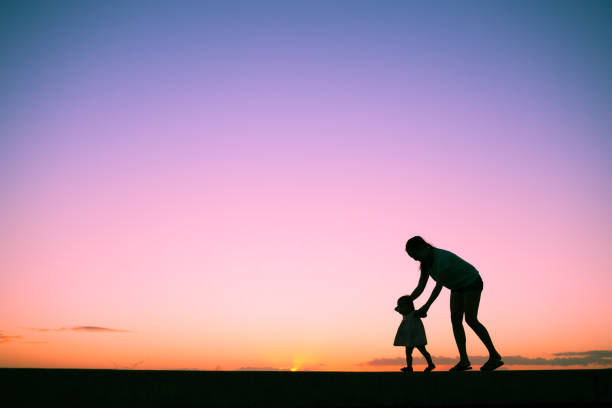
(477, 285)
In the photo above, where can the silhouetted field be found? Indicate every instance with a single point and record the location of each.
(76, 387)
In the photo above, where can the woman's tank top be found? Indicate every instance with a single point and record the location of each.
(456, 272)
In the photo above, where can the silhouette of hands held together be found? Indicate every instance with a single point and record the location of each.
(422, 312)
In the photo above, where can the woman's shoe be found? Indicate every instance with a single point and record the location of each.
(460, 366)
(406, 369)
(491, 365)
(429, 368)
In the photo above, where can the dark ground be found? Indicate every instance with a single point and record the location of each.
(508, 389)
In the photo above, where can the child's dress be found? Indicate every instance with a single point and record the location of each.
(410, 332)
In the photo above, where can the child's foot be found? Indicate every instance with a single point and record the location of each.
(406, 369)
(461, 366)
(430, 367)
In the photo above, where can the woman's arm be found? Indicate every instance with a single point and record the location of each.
(432, 298)
(420, 286)
(422, 312)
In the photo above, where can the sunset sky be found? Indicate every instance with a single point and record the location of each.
(230, 185)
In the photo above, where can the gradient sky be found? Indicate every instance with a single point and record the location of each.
(223, 185)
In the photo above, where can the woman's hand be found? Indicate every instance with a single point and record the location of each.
(422, 312)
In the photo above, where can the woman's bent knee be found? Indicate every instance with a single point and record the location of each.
(472, 321)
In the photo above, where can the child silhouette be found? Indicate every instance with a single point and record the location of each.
(411, 333)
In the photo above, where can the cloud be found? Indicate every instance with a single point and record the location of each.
(82, 328)
(592, 353)
(308, 367)
(46, 330)
(127, 367)
(312, 367)
(402, 361)
(260, 369)
(5, 339)
(570, 358)
(98, 329)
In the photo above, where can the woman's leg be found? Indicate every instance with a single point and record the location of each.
(456, 306)
(470, 306)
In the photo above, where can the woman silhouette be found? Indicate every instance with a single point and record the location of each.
(465, 283)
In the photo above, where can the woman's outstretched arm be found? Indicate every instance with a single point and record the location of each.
(422, 312)
(421, 285)
(432, 298)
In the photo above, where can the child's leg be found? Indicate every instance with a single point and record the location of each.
(425, 354)
(409, 356)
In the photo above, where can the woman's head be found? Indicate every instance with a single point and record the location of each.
(418, 248)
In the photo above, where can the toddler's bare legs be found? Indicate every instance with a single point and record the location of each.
(425, 353)
(408, 367)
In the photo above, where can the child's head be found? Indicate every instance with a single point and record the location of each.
(405, 305)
